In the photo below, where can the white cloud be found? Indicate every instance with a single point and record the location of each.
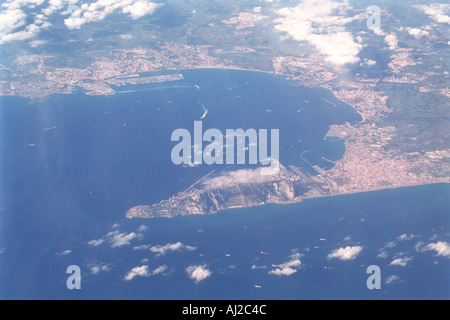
(142, 228)
(141, 271)
(436, 11)
(159, 270)
(13, 21)
(404, 237)
(64, 253)
(347, 253)
(442, 248)
(378, 31)
(57, 5)
(118, 239)
(141, 8)
(393, 279)
(257, 9)
(10, 20)
(402, 262)
(391, 40)
(287, 268)
(170, 247)
(97, 268)
(383, 254)
(322, 24)
(369, 62)
(74, 22)
(144, 271)
(236, 177)
(96, 242)
(29, 32)
(198, 273)
(390, 244)
(37, 43)
(97, 11)
(16, 4)
(16, 14)
(417, 32)
(142, 247)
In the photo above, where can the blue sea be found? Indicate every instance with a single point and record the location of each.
(72, 165)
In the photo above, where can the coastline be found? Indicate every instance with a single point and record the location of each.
(293, 201)
(357, 153)
(344, 194)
